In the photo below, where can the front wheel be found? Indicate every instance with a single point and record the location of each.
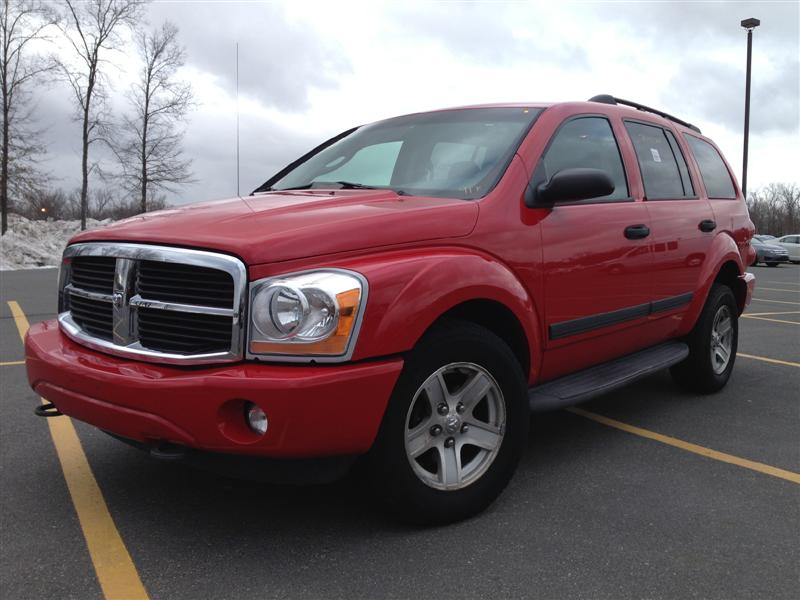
(455, 427)
(772, 264)
(712, 344)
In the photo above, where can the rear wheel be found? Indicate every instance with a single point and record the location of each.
(772, 264)
(455, 427)
(712, 344)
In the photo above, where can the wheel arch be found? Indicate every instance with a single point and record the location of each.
(723, 264)
(497, 318)
(729, 275)
(411, 294)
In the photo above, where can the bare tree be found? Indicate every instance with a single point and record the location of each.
(775, 208)
(150, 151)
(21, 24)
(95, 27)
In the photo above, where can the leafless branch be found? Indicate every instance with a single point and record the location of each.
(93, 28)
(149, 151)
(775, 209)
(21, 23)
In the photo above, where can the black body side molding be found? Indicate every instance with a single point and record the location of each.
(584, 324)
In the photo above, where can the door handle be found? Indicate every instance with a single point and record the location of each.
(707, 225)
(637, 232)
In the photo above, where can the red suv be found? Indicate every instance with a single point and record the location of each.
(408, 291)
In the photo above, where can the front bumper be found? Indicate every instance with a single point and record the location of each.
(776, 258)
(313, 411)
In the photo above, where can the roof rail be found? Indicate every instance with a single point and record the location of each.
(607, 99)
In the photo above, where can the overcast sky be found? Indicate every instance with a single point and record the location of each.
(309, 70)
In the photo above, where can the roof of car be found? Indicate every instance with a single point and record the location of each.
(624, 106)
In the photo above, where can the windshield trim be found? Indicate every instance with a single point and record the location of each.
(513, 149)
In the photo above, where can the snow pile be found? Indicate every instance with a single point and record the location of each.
(30, 244)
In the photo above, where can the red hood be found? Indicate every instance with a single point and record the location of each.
(284, 226)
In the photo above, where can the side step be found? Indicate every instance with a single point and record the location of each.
(597, 380)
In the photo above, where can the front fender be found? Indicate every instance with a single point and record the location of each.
(723, 250)
(409, 291)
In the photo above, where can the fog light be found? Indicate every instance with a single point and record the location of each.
(256, 418)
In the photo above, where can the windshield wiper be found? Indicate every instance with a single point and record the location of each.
(343, 185)
(349, 185)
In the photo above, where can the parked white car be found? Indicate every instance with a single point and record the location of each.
(792, 245)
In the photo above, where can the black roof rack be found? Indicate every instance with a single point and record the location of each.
(607, 99)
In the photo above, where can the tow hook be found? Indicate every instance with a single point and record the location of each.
(47, 410)
(167, 451)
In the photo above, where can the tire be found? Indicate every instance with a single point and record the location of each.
(417, 489)
(704, 371)
(772, 264)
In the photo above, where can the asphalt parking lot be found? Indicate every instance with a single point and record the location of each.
(649, 492)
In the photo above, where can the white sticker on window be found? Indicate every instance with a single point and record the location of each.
(656, 155)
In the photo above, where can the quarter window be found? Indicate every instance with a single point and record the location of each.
(715, 174)
(585, 142)
(661, 163)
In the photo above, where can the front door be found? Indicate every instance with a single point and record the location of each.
(596, 254)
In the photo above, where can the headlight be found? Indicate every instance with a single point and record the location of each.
(315, 313)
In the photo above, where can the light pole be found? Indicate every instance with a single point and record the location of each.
(748, 24)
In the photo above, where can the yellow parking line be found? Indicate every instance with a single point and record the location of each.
(768, 319)
(769, 360)
(12, 363)
(689, 447)
(777, 301)
(778, 290)
(115, 570)
(769, 314)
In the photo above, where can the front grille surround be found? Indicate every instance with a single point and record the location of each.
(84, 311)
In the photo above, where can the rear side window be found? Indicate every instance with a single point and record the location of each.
(688, 188)
(715, 174)
(585, 142)
(664, 172)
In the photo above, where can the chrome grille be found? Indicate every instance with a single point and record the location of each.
(153, 303)
(188, 284)
(94, 274)
(93, 316)
(182, 332)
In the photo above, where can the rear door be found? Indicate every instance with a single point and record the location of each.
(682, 222)
(596, 253)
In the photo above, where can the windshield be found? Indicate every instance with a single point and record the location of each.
(452, 154)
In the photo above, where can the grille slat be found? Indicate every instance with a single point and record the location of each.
(181, 328)
(94, 273)
(200, 299)
(157, 330)
(186, 284)
(94, 316)
(186, 332)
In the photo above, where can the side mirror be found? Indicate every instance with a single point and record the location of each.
(570, 185)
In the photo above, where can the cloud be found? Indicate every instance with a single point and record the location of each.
(486, 33)
(280, 60)
(715, 92)
(702, 25)
(309, 70)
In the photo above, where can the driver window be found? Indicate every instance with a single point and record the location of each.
(589, 143)
(371, 165)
